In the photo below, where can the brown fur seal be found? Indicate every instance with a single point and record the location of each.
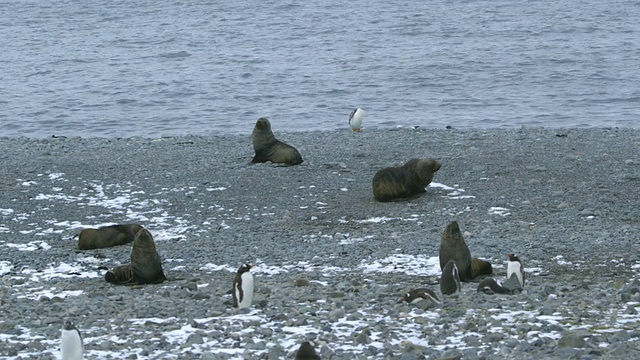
(107, 236)
(145, 266)
(145, 261)
(453, 247)
(404, 182)
(268, 148)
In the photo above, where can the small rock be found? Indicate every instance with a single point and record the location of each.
(587, 212)
(200, 296)
(336, 315)
(362, 338)
(190, 286)
(571, 340)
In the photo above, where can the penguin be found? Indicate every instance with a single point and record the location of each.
(71, 345)
(492, 286)
(306, 352)
(450, 279)
(243, 287)
(416, 295)
(355, 119)
(515, 266)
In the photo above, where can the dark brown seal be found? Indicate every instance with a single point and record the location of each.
(145, 261)
(404, 182)
(145, 266)
(268, 148)
(453, 247)
(107, 236)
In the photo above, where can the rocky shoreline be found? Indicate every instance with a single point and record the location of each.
(331, 262)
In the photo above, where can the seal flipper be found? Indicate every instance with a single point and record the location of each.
(120, 275)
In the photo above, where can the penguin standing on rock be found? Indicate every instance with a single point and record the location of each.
(71, 345)
(515, 266)
(306, 352)
(243, 287)
(416, 295)
(355, 119)
(450, 279)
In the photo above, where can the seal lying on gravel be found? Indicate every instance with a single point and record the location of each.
(453, 247)
(107, 236)
(145, 266)
(404, 182)
(268, 148)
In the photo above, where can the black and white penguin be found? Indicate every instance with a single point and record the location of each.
(355, 119)
(243, 287)
(306, 352)
(450, 279)
(416, 295)
(71, 345)
(492, 286)
(515, 266)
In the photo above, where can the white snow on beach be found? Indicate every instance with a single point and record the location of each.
(501, 211)
(403, 263)
(5, 267)
(454, 192)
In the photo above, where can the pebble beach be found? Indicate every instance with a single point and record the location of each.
(331, 262)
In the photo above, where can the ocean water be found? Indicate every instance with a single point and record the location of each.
(112, 68)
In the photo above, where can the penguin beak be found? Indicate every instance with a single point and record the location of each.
(402, 299)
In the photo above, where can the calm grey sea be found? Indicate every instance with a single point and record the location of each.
(114, 68)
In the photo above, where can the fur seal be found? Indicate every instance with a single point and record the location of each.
(306, 352)
(268, 148)
(453, 247)
(243, 287)
(418, 294)
(145, 260)
(450, 279)
(71, 344)
(355, 119)
(404, 182)
(145, 266)
(107, 236)
(515, 266)
(491, 286)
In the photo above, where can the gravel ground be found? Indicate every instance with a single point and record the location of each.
(331, 262)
